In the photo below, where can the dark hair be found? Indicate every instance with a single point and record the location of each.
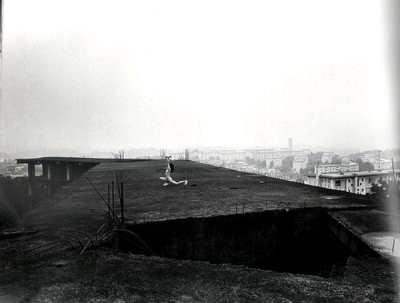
(171, 165)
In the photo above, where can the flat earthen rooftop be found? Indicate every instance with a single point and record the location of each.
(69, 273)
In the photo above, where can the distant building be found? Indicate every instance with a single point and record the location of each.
(231, 155)
(382, 164)
(345, 159)
(222, 155)
(267, 155)
(262, 155)
(311, 180)
(327, 157)
(277, 161)
(357, 182)
(284, 152)
(335, 168)
(378, 162)
(368, 158)
(300, 162)
(21, 168)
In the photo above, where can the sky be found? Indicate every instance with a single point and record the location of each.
(111, 75)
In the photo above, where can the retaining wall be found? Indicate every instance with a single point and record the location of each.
(300, 241)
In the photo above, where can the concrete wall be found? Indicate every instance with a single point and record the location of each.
(292, 241)
(346, 238)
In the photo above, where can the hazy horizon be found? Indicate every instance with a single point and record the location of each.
(152, 152)
(133, 75)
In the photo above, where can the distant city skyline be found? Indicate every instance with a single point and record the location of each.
(132, 152)
(130, 75)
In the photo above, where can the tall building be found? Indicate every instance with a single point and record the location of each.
(290, 144)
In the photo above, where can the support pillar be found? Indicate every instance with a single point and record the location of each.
(48, 170)
(31, 170)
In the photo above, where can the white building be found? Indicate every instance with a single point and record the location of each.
(382, 164)
(21, 168)
(336, 168)
(378, 162)
(357, 182)
(345, 158)
(368, 158)
(222, 155)
(285, 152)
(262, 155)
(300, 162)
(327, 157)
(277, 161)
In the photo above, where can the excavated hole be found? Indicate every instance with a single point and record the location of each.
(305, 241)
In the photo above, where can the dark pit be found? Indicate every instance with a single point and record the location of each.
(305, 241)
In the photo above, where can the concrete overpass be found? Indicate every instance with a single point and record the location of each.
(59, 170)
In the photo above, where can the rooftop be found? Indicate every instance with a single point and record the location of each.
(338, 164)
(360, 174)
(102, 274)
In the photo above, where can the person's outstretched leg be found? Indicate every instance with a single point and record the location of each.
(184, 181)
(170, 180)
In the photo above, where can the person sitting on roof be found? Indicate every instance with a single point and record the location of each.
(168, 170)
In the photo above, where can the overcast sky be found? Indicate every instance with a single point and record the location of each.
(109, 75)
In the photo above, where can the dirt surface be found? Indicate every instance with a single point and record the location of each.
(107, 275)
(65, 260)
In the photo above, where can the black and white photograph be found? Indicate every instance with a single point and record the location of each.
(199, 151)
